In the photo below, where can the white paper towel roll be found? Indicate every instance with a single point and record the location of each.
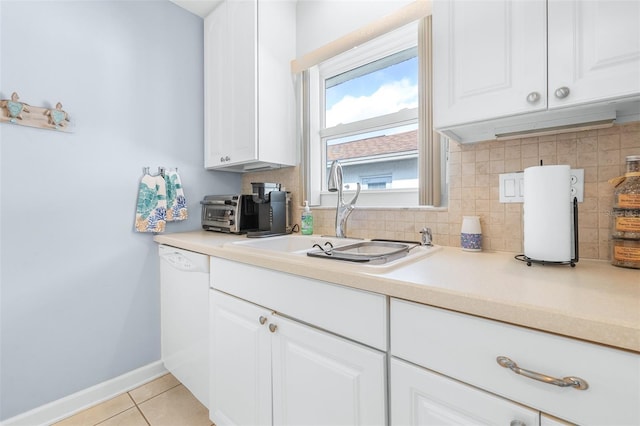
(547, 213)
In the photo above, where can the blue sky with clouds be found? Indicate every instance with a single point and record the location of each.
(381, 92)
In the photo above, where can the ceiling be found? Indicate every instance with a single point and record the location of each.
(198, 7)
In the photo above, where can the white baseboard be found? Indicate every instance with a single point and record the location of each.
(69, 405)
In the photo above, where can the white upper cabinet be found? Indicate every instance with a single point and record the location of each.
(489, 57)
(502, 67)
(594, 47)
(249, 88)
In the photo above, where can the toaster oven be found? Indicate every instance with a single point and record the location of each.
(236, 214)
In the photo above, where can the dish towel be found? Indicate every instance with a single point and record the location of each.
(176, 203)
(151, 210)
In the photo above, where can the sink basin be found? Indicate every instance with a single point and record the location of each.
(290, 243)
(371, 256)
(374, 252)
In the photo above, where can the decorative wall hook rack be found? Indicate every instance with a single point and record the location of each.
(15, 111)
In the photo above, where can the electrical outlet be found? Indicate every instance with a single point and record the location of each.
(577, 184)
(512, 186)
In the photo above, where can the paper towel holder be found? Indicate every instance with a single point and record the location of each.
(571, 262)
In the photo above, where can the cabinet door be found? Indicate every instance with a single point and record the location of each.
(230, 49)
(321, 379)
(217, 91)
(420, 397)
(594, 50)
(488, 57)
(240, 356)
(276, 88)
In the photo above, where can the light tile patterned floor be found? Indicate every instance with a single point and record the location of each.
(161, 402)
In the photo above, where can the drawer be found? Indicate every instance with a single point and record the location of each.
(466, 347)
(356, 314)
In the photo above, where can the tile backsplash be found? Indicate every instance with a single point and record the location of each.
(473, 171)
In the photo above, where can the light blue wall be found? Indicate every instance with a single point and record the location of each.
(79, 289)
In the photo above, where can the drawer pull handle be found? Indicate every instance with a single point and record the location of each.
(575, 382)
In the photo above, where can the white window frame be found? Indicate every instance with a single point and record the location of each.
(381, 47)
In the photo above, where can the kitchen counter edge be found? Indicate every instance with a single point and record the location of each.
(619, 333)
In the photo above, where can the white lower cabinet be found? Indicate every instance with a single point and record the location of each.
(322, 379)
(267, 369)
(573, 380)
(240, 362)
(290, 350)
(420, 397)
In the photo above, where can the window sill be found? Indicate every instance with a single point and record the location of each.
(378, 208)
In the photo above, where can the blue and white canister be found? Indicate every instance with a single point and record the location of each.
(471, 234)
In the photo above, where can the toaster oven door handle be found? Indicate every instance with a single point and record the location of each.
(213, 202)
(216, 222)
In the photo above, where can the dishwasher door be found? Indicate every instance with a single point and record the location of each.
(184, 303)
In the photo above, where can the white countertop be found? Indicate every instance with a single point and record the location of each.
(594, 301)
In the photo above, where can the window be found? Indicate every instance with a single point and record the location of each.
(380, 100)
(364, 111)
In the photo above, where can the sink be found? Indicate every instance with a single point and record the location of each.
(373, 252)
(290, 243)
(372, 256)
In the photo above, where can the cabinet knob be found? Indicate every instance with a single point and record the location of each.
(562, 92)
(229, 159)
(262, 319)
(222, 159)
(517, 423)
(533, 97)
(272, 328)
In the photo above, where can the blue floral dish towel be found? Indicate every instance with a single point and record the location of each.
(151, 211)
(176, 203)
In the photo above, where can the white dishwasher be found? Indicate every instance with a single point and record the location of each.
(184, 304)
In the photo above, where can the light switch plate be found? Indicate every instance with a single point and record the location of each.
(512, 186)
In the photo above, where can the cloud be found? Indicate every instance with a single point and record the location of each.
(388, 98)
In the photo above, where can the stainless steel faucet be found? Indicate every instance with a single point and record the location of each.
(427, 239)
(343, 209)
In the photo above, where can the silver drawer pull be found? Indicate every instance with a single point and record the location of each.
(575, 382)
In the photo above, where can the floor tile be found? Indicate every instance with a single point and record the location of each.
(176, 406)
(131, 417)
(153, 388)
(100, 412)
